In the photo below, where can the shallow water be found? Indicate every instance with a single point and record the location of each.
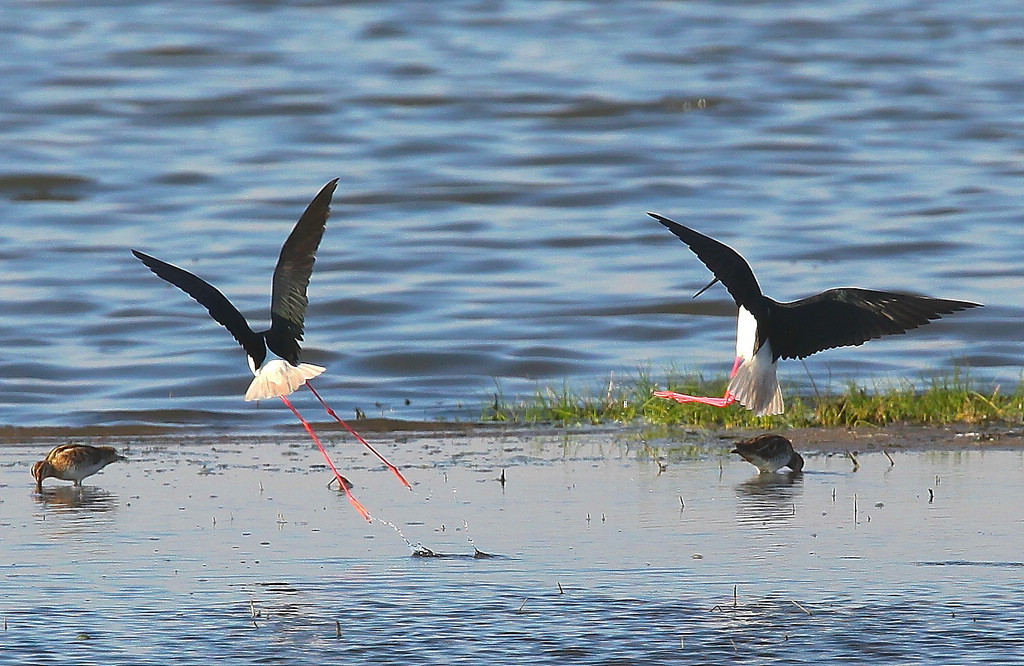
(496, 161)
(235, 549)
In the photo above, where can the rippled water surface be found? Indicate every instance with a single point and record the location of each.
(204, 550)
(496, 161)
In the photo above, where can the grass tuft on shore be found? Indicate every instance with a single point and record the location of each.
(943, 400)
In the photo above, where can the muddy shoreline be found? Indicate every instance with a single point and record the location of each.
(898, 437)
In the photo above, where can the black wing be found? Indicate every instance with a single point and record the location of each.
(729, 267)
(220, 308)
(291, 277)
(845, 317)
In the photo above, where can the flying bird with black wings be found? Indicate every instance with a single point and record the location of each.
(288, 301)
(767, 330)
(278, 377)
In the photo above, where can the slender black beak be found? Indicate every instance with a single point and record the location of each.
(708, 286)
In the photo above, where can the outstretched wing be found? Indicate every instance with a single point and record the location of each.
(291, 277)
(220, 308)
(845, 317)
(729, 267)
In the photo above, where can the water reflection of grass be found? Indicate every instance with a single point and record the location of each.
(940, 400)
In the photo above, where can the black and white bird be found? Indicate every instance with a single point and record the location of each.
(282, 376)
(768, 330)
(769, 452)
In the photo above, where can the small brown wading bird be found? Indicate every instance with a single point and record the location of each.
(769, 452)
(73, 462)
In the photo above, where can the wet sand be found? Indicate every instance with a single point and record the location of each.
(897, 437)
(908, 438)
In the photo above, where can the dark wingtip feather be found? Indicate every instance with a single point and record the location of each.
(850, 316)
(728, 266)
(664, 220)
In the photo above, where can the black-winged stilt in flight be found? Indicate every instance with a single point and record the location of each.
(768, 330)
(281, 376)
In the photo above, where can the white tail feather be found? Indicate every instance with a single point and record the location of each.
(277, 378)
(756, 385)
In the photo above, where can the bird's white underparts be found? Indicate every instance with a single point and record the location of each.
(278, 377)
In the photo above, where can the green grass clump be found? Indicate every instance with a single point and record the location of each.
(945, 400)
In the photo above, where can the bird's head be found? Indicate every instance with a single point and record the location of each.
(41, 470)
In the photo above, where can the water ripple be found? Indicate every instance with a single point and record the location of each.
(496, 164)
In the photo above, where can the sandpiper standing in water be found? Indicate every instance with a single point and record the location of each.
(769, 452)
(73, 462)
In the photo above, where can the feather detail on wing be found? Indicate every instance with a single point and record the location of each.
(729, 267)
(291, 276)
(848, 317)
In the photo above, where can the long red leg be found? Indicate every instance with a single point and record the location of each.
(394, 470)
(341, 480)
(724, 401)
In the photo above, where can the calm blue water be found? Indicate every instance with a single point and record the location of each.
(496, 163)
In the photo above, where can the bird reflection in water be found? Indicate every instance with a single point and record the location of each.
(768, 497)
(72, 499)
(69, 512)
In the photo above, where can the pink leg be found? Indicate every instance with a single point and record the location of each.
(736, 366)
(341, 480)
(724, 401)
(394, 470)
